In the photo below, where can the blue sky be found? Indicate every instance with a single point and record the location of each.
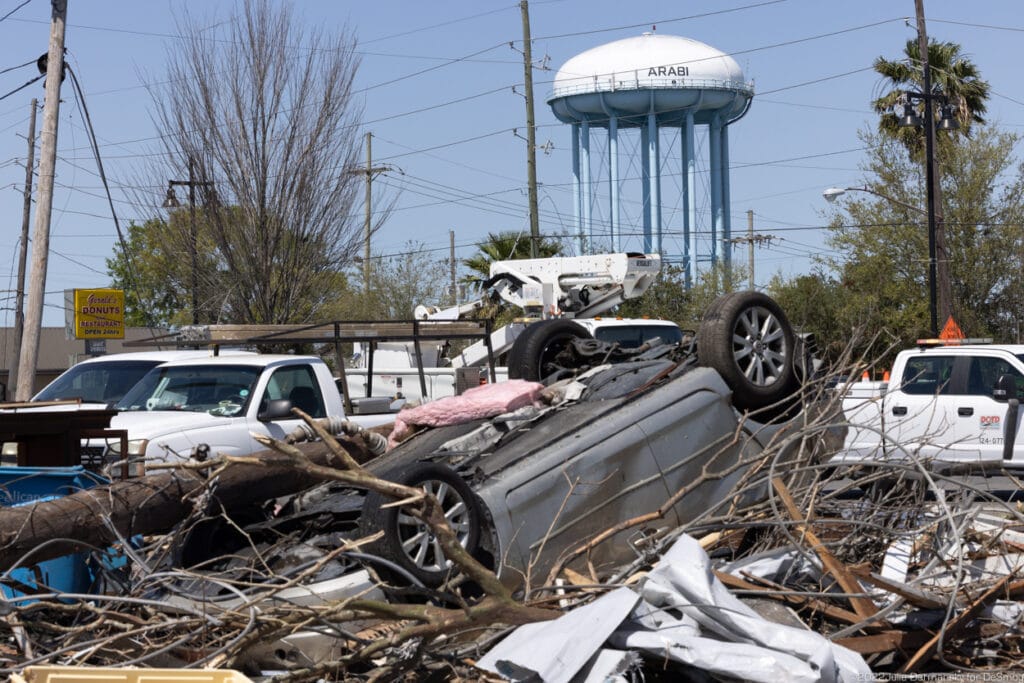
(440, 86)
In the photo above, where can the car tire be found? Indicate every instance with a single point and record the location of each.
(407, 541)
(532, 354)
(747, 339)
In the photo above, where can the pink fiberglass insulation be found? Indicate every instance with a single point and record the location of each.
(480, 402)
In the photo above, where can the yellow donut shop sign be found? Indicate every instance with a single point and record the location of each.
(99, 314)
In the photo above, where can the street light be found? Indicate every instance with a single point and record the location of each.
(171, 202)
(832, 193)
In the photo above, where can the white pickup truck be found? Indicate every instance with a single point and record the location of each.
(947, 403)
(220, 402)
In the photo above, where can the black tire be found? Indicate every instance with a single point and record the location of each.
(532, 354)
(746, 337)
(407, 541)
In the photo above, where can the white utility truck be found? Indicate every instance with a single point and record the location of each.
(946, 402)
(561, 297)
(216, 404)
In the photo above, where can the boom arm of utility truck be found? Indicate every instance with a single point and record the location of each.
(556, 287)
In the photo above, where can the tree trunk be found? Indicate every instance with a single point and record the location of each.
(146, 505)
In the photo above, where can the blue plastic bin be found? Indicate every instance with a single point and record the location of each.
(28, 485)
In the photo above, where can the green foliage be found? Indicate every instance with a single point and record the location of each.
(951, 73)
(505, 246)
(875, 293)
(669, 299)
(156, 271)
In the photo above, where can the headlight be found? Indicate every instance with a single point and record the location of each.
(136, 447)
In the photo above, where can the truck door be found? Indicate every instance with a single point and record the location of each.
(297, 383)
(980, 419)
(918, 421)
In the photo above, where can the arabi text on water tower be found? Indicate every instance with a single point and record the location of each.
(99, 314)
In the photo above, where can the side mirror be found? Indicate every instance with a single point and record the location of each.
(1005, 388)
(276, 409)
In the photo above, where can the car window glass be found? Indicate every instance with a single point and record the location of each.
(104, 382)
(298, 384)
(984, 371)
(927, 375)
(217, 389)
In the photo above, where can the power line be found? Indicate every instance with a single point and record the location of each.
(22, 86)
(15, 9)
(660, 21)
(20, 66)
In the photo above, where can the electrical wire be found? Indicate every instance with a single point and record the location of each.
(20, 66)
(25, 2)
(22, 86)
(129, 263)
(660, 21)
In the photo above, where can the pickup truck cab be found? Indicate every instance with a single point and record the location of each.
(950, 403)
(220, 402)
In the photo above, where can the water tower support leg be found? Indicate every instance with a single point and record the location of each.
(645, 183)
(613, 181)
(577, 213)
(715, 154)
(585, 175)
(654, 157)
(726, 204)
(689, 201)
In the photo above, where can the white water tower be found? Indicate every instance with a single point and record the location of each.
(654, 84)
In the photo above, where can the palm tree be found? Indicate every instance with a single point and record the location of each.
(958, 79)
(505, 246)
(951, 74)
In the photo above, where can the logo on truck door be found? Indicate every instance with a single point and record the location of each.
(989, 421)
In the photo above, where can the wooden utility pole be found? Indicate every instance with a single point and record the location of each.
(26, 213)
(369, 213)
(531, 133)
(940, 287)
(41, 236)
(750, 240)
(451, 257)
(193, 230)
(370, 171)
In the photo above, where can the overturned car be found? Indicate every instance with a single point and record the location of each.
(624, 446)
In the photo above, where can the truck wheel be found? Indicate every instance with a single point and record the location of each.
(746, 337)
(532, 356)
(409, 542)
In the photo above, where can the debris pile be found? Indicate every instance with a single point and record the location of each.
(803, 573)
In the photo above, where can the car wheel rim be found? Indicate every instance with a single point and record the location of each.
(759, 345)
(419, 543)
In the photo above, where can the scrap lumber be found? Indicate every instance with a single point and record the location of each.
(928, 650)
(863, 606)
(791, 597)
(914, 596)
(886, 641)
(145, 505)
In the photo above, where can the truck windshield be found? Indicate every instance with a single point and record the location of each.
(99, 382)
(217, 390)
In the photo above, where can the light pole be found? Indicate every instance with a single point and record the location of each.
(833, 192)
(171, 202)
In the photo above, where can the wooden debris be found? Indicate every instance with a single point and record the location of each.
(863, 606)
